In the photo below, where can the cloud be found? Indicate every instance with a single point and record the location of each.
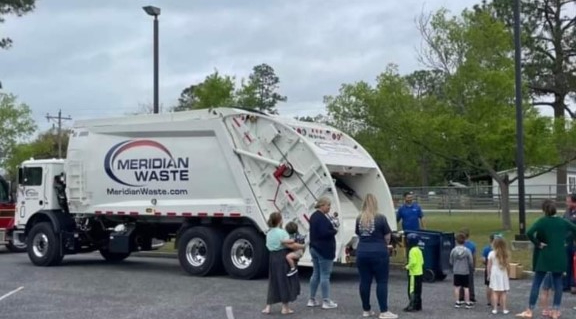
(94, 58)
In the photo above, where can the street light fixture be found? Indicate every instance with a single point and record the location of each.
(155, 12)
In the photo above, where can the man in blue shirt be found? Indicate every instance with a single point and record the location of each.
(410, 214)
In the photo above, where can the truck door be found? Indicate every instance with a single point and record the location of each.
(31, 192)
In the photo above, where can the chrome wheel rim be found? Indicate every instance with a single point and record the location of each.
(40, 245)
(242, 254)
(196, 252)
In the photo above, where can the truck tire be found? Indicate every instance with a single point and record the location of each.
(16, 248)
(244, 254)
(43, 245)
(200, 251)
(113, 257)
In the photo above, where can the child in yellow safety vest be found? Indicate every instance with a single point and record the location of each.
(415, 269)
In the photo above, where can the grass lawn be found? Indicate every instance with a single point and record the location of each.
(481, 225)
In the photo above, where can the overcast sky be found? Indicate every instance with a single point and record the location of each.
(94, 58)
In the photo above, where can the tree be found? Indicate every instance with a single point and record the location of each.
(549, 48)
(16, 123)
(214, 91)
(470, 120)
(260, 91)
(15, 7)
(44, 146)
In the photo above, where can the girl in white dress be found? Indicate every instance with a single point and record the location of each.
(498, 262)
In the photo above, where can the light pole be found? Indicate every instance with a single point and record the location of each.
(155, 12)
(519, 124)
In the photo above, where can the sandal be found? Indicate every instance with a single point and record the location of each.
(287, 312)
(266, 311)
(525, 314)
(555, 314)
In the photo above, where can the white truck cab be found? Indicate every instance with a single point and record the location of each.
(36, 190)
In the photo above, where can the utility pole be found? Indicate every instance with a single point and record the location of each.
(59, 120)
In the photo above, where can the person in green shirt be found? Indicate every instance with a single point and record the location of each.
(548, 235)
(415, 269)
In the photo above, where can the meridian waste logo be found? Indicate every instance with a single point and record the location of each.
(137, 163)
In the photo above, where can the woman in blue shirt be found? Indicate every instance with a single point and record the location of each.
(372, 258)
(323, 251)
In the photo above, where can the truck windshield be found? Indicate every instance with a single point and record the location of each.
(4, 191)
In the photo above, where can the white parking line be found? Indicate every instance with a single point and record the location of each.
(229, 313)
(10, 293)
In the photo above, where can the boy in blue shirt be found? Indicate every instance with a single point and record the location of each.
(472, 247)
(485, 252)
(410, 214)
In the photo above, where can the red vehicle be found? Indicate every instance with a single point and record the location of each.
(7, 211)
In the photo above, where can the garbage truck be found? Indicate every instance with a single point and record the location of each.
(206, 179)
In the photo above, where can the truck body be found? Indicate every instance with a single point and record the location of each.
(208, 179)
(7, 210)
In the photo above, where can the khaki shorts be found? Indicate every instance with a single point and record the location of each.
(298, 253)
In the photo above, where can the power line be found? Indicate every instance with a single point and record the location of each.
(59, 119)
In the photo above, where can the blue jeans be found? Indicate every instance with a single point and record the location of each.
(373, 266)
(320, 275)
(568, 281)
(556, 286)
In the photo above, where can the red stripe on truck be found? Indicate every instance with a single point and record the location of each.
(98, 212)
(202, 214)
(235, 215)
(218, 214)
(121, 213)
(187, 214)
(171, 214)
(133, 213)
(306, 217)
(157, 214)
(236, 121)
(109, 213)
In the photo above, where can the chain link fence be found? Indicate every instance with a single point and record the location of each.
(481, 198)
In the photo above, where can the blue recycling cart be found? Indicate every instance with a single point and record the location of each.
(436, 247)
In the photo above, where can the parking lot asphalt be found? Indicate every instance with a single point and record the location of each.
(85, 287)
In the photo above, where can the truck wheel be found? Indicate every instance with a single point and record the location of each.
(200, 251)
(16, 248)
(43, 245)
(113, 257)
(244, 254)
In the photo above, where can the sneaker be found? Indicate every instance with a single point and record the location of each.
(388, 315)
(505, 311)
(458, 304)
(329, 304)
(312, 303)
(494, 312)
(469, 305)
(292, 272)
(367, 314)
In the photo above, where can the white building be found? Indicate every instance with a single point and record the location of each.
(542, 186)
